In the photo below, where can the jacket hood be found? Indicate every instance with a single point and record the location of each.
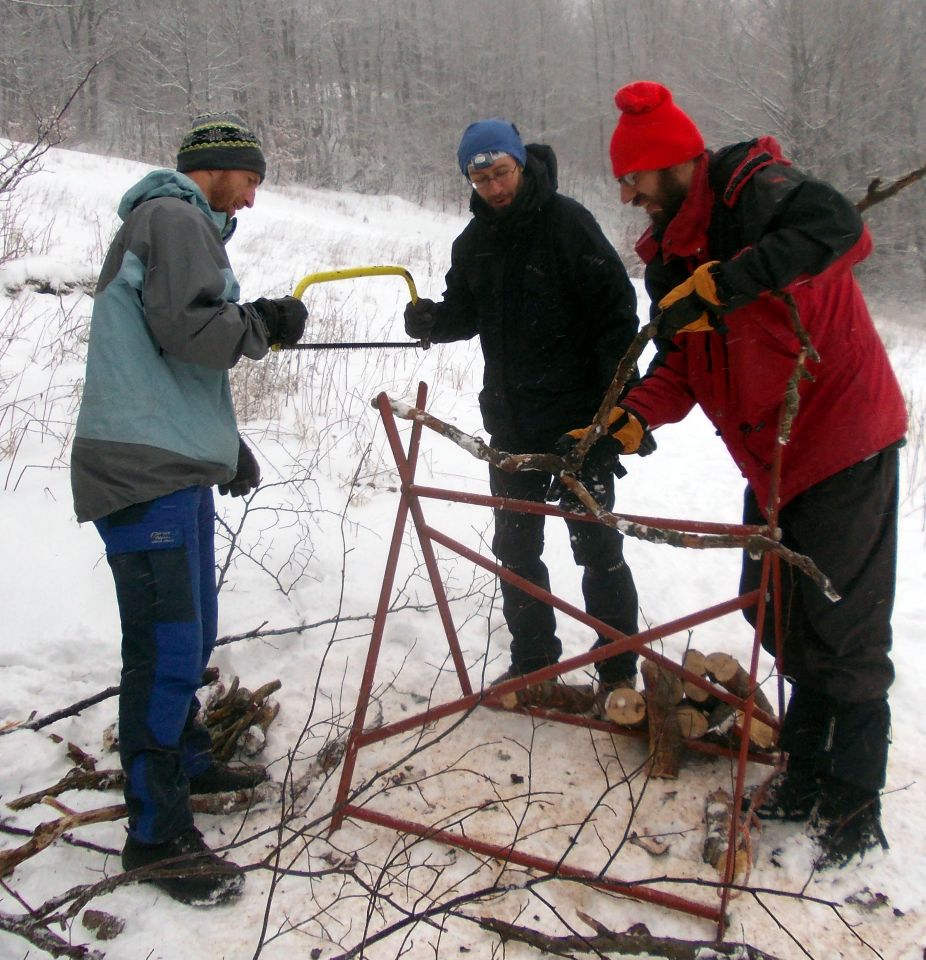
(170, 183)
(541, 160)
(734, 166)
(719, 175)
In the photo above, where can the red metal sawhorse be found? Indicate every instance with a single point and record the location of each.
(410, 502)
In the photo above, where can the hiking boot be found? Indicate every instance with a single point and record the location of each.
(847, 824)
(529, 696)
(791, 794)
(509, 674)
(221, 778)
(185, 869)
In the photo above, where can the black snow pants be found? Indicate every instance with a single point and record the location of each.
(607, 583)
(836, 655)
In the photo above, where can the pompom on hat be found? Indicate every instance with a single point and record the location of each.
(221, 141)
(652, 132)
(489, 139)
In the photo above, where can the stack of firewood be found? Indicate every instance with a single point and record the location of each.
(727, 672)
(237, 718)
(671, 708)
(674, 710)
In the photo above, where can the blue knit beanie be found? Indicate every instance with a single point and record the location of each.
(490, 136)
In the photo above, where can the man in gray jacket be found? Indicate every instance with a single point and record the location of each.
(156, 431)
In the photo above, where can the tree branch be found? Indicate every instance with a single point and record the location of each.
(551, 463)
(635, 941)
(876, 193)
(38, 934)
(46, 138)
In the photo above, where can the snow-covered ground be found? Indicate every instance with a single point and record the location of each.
(316, 541)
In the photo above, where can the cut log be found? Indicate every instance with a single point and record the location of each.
(567, 697)
(718, 813)
(730, 674)
(625, 707)
(692, 721)
(722, 667)
(761, 734)
(665, 737)
(695, 662)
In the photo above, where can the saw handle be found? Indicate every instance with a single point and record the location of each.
(350, 273)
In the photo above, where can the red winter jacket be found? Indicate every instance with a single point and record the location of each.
(773, 229)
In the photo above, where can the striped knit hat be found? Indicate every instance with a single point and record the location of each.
(220, 141)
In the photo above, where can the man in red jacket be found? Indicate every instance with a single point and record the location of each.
(728, 231)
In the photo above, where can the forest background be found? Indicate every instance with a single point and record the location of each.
(372, 97)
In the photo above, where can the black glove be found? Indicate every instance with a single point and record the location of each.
(284, 319)
(247, 477)
(419, 318)
(647, 444)
(601, 460)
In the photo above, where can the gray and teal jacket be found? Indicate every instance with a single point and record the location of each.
(156, 413)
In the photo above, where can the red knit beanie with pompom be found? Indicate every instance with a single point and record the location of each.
(652, 132)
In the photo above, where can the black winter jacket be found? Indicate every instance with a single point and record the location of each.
(550, 301)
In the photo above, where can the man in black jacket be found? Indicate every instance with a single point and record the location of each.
(535, 278)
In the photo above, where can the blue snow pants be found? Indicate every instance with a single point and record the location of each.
(162, 556)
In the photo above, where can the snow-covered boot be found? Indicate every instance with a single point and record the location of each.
(791, 794)
(847, 823)
(186, 869)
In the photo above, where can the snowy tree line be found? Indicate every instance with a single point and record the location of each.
(373, 96)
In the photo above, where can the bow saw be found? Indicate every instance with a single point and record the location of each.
(350, 273)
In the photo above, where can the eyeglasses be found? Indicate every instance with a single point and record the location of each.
(629, 179)
(484, 181)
